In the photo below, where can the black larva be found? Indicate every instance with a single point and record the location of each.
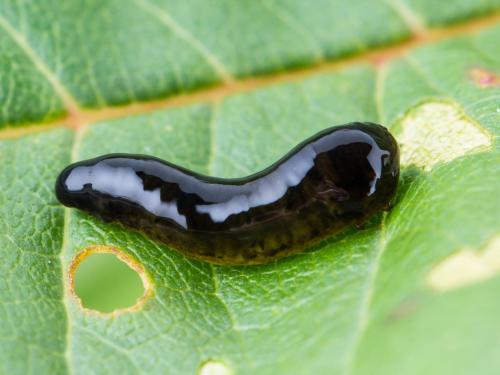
(333, 179)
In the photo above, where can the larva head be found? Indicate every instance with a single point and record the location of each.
(66, 193)
(120, 186)
(361, 162)
(89, 184)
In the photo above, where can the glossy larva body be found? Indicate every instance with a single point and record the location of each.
(333, 179)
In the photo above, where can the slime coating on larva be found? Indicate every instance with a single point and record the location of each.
(338, 177)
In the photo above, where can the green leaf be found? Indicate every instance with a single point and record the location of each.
(414, 292)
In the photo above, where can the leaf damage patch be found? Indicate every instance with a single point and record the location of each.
(213, 367)
(466, 267)
(439, 132)
(125, 258)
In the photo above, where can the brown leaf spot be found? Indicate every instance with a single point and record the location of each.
(484, 78)
(405, 308)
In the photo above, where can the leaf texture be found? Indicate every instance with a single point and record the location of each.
(358, 303)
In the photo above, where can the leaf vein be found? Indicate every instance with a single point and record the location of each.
(165, 18)
(63, 255)
(67, 99)
(366, 299)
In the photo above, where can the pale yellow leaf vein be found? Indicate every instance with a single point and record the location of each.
(381, 74)
(212, 127)
(294, 25)
(411, 19)
(363, 315)
(111, 344)
(67, 99)
(64, 253)
(165, 18)
(367, 291)
(425, 78)
(230, 315)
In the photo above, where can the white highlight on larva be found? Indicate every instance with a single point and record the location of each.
(266, 190)
(124, 183)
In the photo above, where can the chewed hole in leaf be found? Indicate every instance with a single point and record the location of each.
(466, 267)
(438, 131)
(106, 280)
(213, 367)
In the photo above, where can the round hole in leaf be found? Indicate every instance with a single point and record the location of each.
(106, 280)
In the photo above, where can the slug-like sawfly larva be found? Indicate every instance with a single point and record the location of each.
(338, 177)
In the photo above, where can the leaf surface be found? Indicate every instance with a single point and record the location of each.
(361, 302)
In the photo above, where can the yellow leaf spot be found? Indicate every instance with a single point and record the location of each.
(466, 267)
(215, 368)
(437, 132)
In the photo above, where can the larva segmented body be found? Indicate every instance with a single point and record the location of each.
(333, 179)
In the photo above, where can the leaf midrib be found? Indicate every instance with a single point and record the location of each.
(77, 117)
